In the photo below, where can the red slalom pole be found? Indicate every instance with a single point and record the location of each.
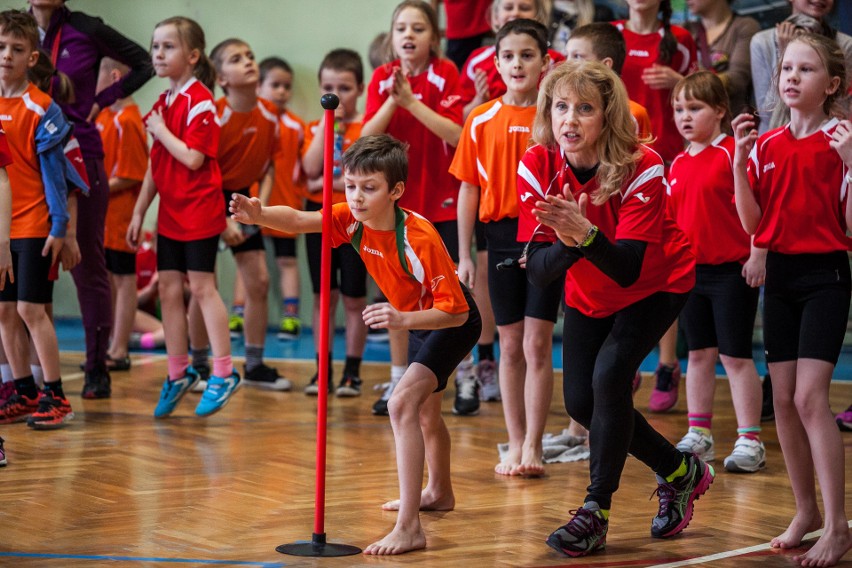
(318, 545)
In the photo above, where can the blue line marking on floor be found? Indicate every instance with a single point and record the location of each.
(141, 559)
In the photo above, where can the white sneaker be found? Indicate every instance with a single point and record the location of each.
(490, 386)
(695, 442)
(748, 456)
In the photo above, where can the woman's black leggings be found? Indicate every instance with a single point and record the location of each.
(600, 358)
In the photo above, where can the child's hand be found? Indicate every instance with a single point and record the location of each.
(53, 246)
(745, 134)
(156, 123)
(6, 266)
(784, 33)
(467, 272)
(133, 230)
(70, 255)
(754, 269)
(233, 235)
(480, 82)
(383, 316)
(401, 90)
(244, 209)
(661, 76)
(841, 141)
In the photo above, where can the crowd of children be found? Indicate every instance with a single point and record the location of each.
(613, 185)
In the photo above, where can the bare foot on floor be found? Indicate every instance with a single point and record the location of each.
(397, 542)
(428, 502)
(510, 464)
(532, 464)
(827, 551)
(799, 527)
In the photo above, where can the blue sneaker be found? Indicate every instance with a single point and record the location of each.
(173, 391)
(218, 393)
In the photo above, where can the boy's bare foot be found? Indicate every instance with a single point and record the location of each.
(799, 527)
(428, 502)
(532, 464)
(510, 464)
(827, 551)
(398, 542)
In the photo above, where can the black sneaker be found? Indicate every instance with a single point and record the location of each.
(266, 377)
(350, 385)
(467, 393)
(767, 408)
(313, 387)
(678, 497)
(583, 534)
(97, 384)
(380, 407)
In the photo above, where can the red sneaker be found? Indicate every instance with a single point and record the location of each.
(17, 409)
(52, 412)
(6, 391)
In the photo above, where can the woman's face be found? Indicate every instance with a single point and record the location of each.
(813, 8)
(577, 124)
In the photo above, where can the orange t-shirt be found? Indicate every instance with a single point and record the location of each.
(437, 283)
(21, 118)
(493, 141)
(351, 133)
(125, 156)
(289, 187)
(246, 143)
(643, 121)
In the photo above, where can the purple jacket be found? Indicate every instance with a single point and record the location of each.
(85, 40)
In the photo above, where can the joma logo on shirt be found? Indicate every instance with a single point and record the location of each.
(638, 53)
(373, 251)
(513, 129)
(5, 117)
(769, 166)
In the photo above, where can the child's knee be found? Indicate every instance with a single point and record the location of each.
(31, 313)
(8, 310)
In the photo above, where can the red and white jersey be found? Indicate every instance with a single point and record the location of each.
(483, 59)
(430, 189)
(435, 283)
(247, 143)
(801, 188)
(643, 51)
(288, 187)
(638, 212)
(701, 201)
(494, 139)
(191, 203)
(5, 152)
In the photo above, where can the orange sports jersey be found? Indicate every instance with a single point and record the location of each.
(350, 135)
(493, 141)
(641, 118)
(21, 117)
(436, 285)
(246, 143)
(125, 156)
(289, 186)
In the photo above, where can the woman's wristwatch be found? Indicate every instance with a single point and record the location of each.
(590, 237)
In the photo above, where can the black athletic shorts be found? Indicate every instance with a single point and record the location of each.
(120, 262)
(348, 272)
(449, 231)
(254, 240)
(32, 273)
(198, 256)
(479, 235)
(284, 247)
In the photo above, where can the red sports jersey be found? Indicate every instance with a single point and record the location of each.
(494, 140)
(288, 187)
(5, 152)
(643, 51)
(246, 143)
(801, 188)
(430, 189)
(638, 213)
(351, 133)
(436, 285)
(467, 18)
(191, 203)
(125, 156)
(483, 59)
(701, 201)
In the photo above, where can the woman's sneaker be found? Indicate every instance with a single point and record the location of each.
(218, 394)
(698, 443)
(677, 497)
(583, 534)
(749, 456)
(173, 391)
(52, 412)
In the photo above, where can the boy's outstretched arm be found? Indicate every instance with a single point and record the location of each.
(250, 212)
(385, 316)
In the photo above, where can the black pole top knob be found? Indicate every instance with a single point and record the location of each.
(329, 101)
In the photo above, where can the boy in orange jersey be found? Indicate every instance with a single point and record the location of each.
(248, 140)
(409, 262)
(41, 210)
(342, 73)
(126, 161)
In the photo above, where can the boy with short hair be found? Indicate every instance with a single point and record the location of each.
(342, 73)
(407, 258)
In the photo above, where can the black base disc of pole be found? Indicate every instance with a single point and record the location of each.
(318, 547)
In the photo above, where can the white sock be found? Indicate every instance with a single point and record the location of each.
(397, 371)
(38, 375)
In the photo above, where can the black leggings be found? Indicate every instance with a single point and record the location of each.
(600, 358)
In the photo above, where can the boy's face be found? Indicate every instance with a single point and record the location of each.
(346, 87)
(16, 56)
(277, 87)
(582, 48)
(520, 62)
(369, 197)
(238, 68)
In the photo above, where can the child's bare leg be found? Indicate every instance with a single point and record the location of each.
(701, 382)
(124, 309)
(511, 377)
(668, 346)
(43, 335)
(746, 390)
(198, 338)
(813, 378)
(255, 277)
(203, 287)
(404, 407)
(15, 340)
(356, 329)
(797, 456)
(170, 287)
(538, 391)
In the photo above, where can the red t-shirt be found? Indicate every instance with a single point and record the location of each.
(288, 188)
(191, 204)
(467, 18)
(483, 58)
(701, 200)
(801, 189)
(494, 139)
(437, 283)
(430, 189)
(246, 143)
(125, 156)
(637, 213)
(5, 152)
(643, 51)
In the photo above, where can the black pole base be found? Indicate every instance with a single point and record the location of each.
(318, 547)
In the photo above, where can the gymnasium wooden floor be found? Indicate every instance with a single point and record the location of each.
(117, 487)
